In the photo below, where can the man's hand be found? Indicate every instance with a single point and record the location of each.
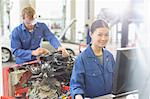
(64, 51)
(40, 51)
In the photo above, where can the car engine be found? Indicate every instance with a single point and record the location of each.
(46, 78)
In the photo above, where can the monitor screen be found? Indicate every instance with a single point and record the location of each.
(128, 68)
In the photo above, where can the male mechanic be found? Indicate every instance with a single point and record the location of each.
(26, 38)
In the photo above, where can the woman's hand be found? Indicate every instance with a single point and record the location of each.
(78, 97)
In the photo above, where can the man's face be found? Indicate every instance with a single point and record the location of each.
(29, 22)
(100, 37)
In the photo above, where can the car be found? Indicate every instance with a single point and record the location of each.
(6, 50)
(48, 46)
(6, 54)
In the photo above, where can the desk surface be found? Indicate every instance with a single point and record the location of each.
(127, 95)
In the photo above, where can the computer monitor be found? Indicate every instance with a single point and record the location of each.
(128, 68)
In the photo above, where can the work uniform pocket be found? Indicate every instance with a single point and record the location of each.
(93, 76)
(26, 43)
(93, 73)
(37, 39)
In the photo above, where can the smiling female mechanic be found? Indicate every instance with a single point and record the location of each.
(26, 38)
(94, 68)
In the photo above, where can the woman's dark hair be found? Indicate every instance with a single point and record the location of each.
(97, 24)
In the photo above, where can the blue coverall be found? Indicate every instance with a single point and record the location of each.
(89, 77)
(23, 42)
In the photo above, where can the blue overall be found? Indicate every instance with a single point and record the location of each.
(89, 77)
(23, 42)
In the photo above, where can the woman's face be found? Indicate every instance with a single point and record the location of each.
(100, 37)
